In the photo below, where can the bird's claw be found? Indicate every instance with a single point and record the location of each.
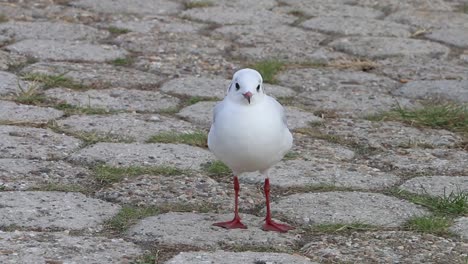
(233, 224)
(277, 227)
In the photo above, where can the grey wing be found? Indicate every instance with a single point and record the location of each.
(217, 109)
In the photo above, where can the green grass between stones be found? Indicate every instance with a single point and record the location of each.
(127, 61)
(3, 18)
(437, 225)
(51, 81)
(217, 168)
(197, 138)
(129, 215)
(117, 30)
(268, 69)
(108, 174)
(339, 228)
(197, 4)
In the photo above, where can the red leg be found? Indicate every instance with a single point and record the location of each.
(236, 222)
(270, 225)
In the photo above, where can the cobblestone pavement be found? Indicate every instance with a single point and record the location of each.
(105, 106)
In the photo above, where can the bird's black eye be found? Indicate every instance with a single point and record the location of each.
(237, 86)
(258, 88)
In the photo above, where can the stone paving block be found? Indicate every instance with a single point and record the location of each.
(321, 172)
(460, 227)
(437, 185)
(453, 36)
(60, 247)
(388, 134)
(10, 111)
(35, 143)
(52, 30)
(328, 9)
(23, 174)
(9, 60)
(433, 161)
(430, 19)
(357, 26)
(393, 5)
(10, 83)
(309, 148)
(196, 230)
(121, 155)
(157, 24)
(125, 126)
(214, 87)
(201, 114)
(98, 75)
(116, 99)
(346, 208)
(384, 47)
(66, 50)
(54, 210)
(454, 90)
(141, 7)
(223, 257)
(386, 247)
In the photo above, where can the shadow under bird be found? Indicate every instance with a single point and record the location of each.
(249, 133)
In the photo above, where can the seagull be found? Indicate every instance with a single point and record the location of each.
(249, 133)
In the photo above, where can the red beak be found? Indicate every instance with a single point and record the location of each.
(247, 96)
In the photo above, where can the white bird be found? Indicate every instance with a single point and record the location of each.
(249, 133)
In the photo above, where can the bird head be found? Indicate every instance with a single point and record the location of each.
(246, 87)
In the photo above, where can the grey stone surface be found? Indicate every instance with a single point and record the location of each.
(437, 185)
(357, 26)
(386, 247)
(307, 148)
(54, 210)
(328, 9)
(453, 36)
(60, 247)
(214, 87)
(460, 227)
(22, 174)
(131, 127)
(141, 7)
(454, 90)
(10, 111)
(120, 154)
(201, 114)
(435, 161)
(35, 143)
(52, 30)
(277, 41)
(346, 208)
(66, 50)
(158, 24)
(321, 172)
(430, 19)
(384, 47)
(222, 257)
(196, 230)
(97, 75)
(388, 134)
(9, 83)
(116, 99)
(9, 60)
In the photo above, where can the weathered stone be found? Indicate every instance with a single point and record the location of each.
(395, 5)
(382, 47)
(58, 247)
(51, 30)
(9, 60)
(10, 83)
(310, 148)
(54, 210)
(437, 185)
(116, 99)
(125, 126)
(346, 208)
(383, 135)
(158, 24)
(62, 51)
(435, 161)
(453, 36)
(278, 41)
(386, 247)
(201, 114)
(454, 90)
(327, 9)
(430, 19)
(179, 229)
(35, 143)
(213, 87)
(10, 111)
(357, 26)
(141, 7)
(97, 75)
(23, 174)
(223, 257)
(321, 172)
(460, 227)
(119, 154)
